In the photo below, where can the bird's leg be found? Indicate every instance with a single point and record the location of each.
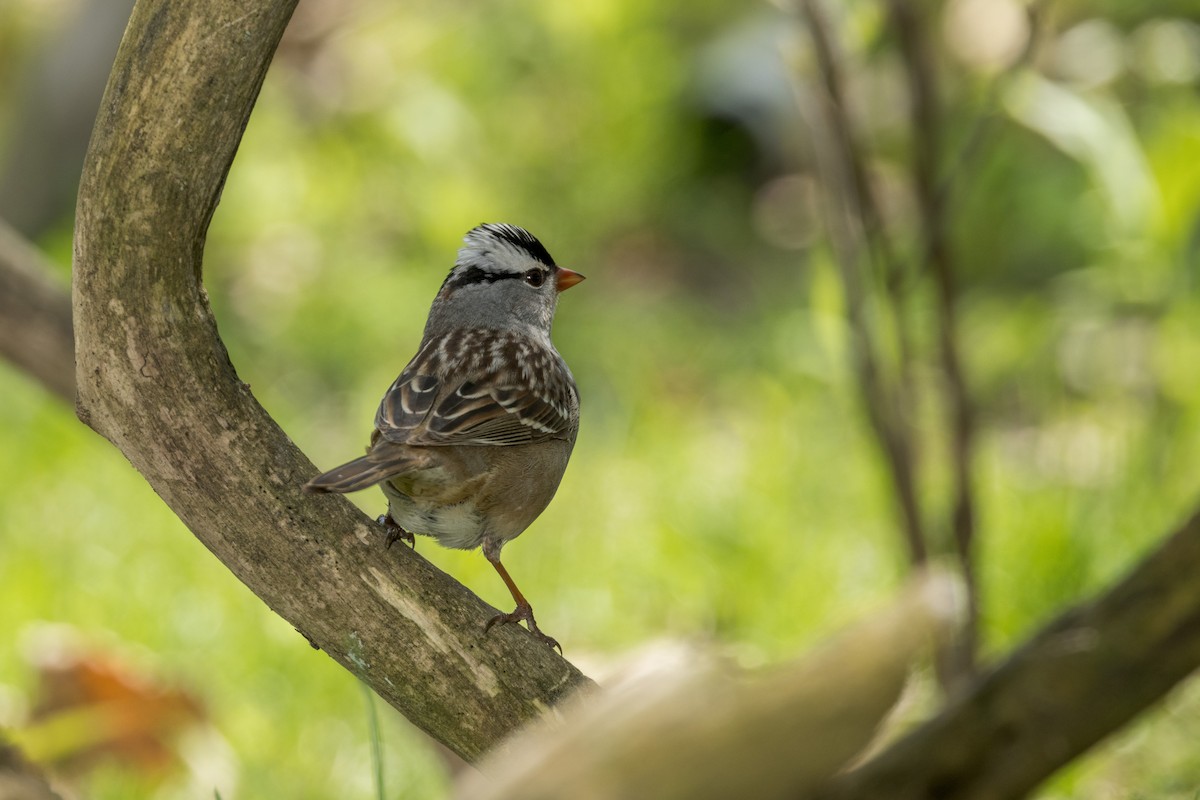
(523, 611)
(395, 532)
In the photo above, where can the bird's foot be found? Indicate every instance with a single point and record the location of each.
(395, 532)
(524, 613)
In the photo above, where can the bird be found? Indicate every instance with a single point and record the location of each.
(472, 439)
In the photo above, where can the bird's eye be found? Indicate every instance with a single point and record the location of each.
(535, 277)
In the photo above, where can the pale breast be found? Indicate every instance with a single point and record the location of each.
(440, 503)
(479, 493)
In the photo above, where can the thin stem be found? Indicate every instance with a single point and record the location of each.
(886, 405)
(925, 113)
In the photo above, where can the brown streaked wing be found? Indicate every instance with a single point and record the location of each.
(408, 401)
(505, 415)
(483, 405)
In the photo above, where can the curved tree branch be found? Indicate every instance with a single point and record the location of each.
(154, 378)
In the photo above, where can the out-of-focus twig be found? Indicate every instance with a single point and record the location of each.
(925, 127)
(885, 403)
(35, 316)
(1079, 679)
(56, 100)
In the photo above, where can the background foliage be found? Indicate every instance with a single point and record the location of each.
(724, 485)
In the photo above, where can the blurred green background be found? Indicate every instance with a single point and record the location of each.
(725, 485)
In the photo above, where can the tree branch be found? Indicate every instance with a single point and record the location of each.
(925, 129)
(884, 404)
(1078, 680)
(155, 379)
(35, 316)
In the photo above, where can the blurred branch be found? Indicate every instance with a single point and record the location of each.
(885, 405)
(155, 379)
(35, 316)
(926, 143)
(1078, 680)
(692, 728)
(39, 172)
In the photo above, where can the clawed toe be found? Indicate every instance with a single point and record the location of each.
(395, 532)
(524, 614)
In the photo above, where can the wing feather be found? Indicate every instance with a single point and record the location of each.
(480, 387)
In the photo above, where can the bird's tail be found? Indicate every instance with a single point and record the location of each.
(381, 463)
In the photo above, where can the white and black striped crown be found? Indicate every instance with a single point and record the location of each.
(495, 251)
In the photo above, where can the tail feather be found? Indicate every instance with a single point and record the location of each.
(362, 473)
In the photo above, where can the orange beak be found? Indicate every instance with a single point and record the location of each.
(567, 278)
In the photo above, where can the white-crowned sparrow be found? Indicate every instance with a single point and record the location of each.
(472, 439)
